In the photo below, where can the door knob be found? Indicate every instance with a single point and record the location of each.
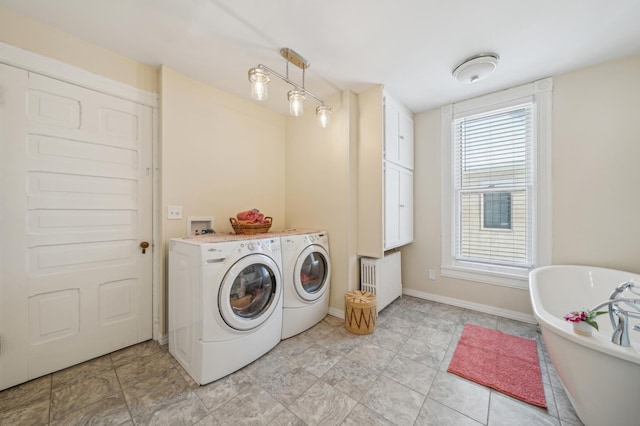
(144, 245)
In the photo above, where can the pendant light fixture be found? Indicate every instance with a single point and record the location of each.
(323, 113)
(261, 75)
(296, 102)
(259, 84)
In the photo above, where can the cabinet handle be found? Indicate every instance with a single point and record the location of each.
(401, 137)
(402, 205)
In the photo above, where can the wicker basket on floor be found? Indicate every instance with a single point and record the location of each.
(251, 228)
(360, 312)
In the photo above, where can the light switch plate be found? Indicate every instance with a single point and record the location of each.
(174, 212)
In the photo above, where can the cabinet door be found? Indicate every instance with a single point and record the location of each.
(405, 214)
(398, 134)
(398, 206)
(391, 131)
(391, 206)
(405, 141)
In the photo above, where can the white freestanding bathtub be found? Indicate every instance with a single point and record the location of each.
(602, 379)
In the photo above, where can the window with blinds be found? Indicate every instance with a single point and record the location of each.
(493, 186)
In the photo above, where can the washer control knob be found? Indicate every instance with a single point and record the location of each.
(250, 246)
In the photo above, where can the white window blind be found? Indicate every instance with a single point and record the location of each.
(493, 159)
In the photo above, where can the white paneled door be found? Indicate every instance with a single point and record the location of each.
(75, 211)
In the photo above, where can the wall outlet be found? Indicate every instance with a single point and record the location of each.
(174, 212)
(432, 274)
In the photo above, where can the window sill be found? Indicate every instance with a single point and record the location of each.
(505, 277)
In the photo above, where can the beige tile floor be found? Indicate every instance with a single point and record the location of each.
(324, 376)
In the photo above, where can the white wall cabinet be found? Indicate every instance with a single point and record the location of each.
(398, 134)
(398, 206)
(385, 174)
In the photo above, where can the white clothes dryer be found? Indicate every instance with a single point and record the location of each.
(225, 302)
(306, 273)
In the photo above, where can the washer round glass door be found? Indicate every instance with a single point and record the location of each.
(311, 273)
(249, 292)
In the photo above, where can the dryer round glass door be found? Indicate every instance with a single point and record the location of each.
(249, 292)
(311, 273)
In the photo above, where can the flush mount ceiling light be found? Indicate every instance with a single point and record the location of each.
(476, 68)
(261, 75)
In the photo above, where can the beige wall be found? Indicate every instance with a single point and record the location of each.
(371, 173)
(320, 182)
(33, 36)
(596, 168)
(595, 184)
(220, 155)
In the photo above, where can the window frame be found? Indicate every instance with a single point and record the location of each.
(541, 92)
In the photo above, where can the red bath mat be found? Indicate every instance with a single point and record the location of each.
(506, 363)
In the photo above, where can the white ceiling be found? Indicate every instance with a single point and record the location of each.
(410, 46)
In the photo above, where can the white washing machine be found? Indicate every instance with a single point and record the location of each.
(225, 302)
(306, 270)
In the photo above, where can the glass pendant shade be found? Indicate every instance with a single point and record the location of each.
(261, 75)
(323, 113)
(259, 84)
(296, 102)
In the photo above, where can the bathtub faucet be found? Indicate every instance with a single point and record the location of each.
(621, 326)
(620, 334)
(622, 287)
(621, 330)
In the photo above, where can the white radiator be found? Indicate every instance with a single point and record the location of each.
(382, 277)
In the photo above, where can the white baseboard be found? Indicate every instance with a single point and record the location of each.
(163, 340)
(505, 313)
(338, 313)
